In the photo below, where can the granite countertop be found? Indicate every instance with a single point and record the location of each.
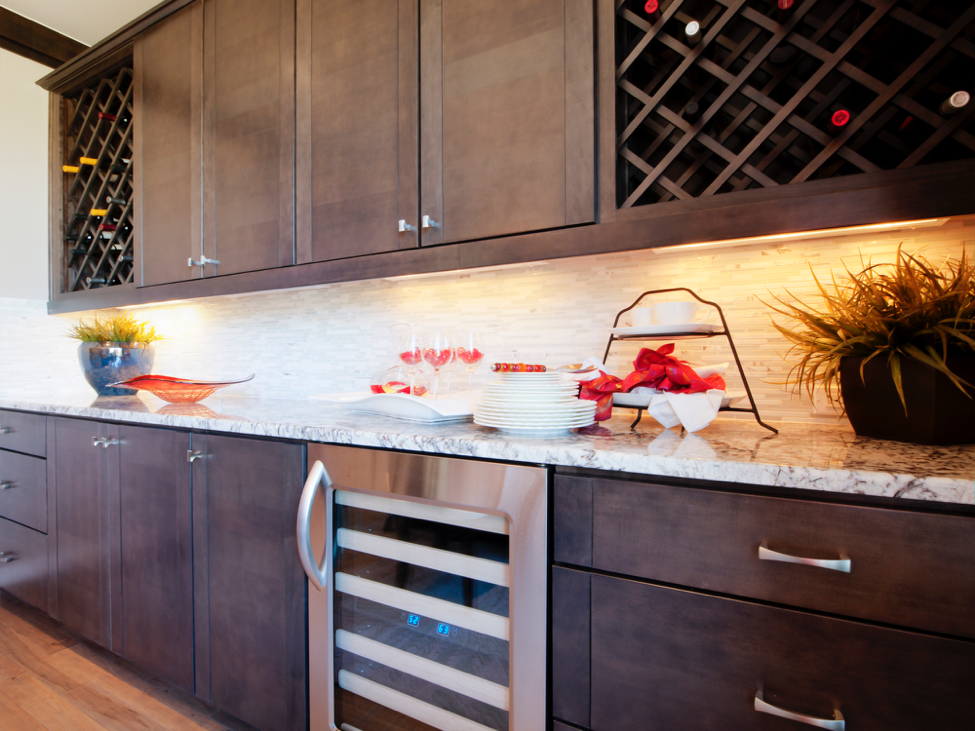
(807, 456)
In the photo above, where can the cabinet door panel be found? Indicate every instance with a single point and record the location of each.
(168, 62)
(24, 498)
(505, 105)
(25, 574)
(248, 134)
(357, 126)
(156, 543)
(23, 432)
(88, 560)
(256, 583)
(669, 659)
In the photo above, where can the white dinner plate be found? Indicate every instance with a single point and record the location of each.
(687, 328)
(403, 406)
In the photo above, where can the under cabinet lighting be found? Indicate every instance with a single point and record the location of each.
(147, 305)
(527, 266)
(799, 235)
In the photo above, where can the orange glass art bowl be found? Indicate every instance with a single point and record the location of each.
(177, 390)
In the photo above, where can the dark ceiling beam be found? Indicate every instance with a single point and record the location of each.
(37, 42)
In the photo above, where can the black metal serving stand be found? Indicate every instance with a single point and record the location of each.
(723, 332)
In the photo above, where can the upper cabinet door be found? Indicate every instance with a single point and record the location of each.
(507, 134)
(168, 71)
(356, 164)
(248, 135)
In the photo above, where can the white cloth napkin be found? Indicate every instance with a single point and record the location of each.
(693, 411)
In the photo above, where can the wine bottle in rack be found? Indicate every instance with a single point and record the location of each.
(89, 161)
(838, 121)
(692, 33)
(71, 236)
(70, 168)
(94, 280)
(116, 201)
(652, 9)
(106, 115)
(955, 103)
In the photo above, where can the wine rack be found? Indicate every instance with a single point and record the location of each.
(773, 92)
(97, 185)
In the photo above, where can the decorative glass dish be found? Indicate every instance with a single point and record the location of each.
(177, 390)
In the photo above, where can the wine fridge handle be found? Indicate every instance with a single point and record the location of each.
(316, 476)
(831, 724)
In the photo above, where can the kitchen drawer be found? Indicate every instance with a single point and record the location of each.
(23, 563)
(671, 659)
(23, 489)
(23, 432)
(906, 568)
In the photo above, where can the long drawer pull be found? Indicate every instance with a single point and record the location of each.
(832, 724)
(7, 484)
(7, 556)
(5, 430)
(843, 563)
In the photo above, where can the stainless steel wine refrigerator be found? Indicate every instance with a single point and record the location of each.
(427, 592)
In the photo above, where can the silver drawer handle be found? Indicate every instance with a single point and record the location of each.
(5, 430)
(7, 484)
(843, 563)
(7, 556)
(98, 441)
(192, 454)
(106, 443)
(429, 223)
(202, 262)
(835, 724)
(404, 227)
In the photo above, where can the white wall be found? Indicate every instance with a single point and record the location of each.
(23, 179)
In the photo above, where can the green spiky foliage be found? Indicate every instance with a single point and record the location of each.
(114, 328)
(907, 309)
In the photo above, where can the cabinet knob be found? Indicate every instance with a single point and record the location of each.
(404, 226)
(429, 223)
(7, 556)
(6, 430)
(192, 454)
(7, 484)
(203, 260)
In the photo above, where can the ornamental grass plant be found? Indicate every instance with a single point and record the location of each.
(907, 309)
(114, 328)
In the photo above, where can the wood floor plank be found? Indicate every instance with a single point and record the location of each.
(109, 710)
(38, 638)
(52, 711)
(16, 648)
(158, 704)
(34, 617)
(14, 718)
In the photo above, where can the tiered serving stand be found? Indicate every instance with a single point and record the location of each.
(722, 332)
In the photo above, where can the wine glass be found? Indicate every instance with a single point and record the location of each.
(408, 349)
(469, 352)
(438, 352)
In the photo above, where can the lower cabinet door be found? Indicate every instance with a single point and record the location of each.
(671, 659)
(23, 563)
(156, 533)
(255, 608)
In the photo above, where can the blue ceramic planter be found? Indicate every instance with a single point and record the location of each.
(104, 363)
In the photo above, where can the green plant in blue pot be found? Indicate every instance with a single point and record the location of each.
(114, 348)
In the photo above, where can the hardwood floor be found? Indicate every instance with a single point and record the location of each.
(53, 680)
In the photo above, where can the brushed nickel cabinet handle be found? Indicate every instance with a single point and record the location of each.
(202, 262)
(5, 430)
(843, 563)
(98, 441)
(192, 454)
(7, 556)
(106, 443)
(831, 724)
(7, 484)
(429, 223)
(404, 226)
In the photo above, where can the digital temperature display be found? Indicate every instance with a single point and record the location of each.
(413, 620)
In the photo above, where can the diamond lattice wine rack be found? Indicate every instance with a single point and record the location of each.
(97, 157)
(716, 96)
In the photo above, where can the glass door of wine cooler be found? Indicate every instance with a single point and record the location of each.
(431, 614)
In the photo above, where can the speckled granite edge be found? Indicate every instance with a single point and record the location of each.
(801, 455)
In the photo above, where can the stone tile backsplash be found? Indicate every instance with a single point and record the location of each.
(334, 337)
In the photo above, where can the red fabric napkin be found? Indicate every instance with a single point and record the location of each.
(654, 369)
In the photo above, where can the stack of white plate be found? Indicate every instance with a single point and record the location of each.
(538, 404)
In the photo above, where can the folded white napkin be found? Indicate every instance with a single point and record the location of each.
(693, 411)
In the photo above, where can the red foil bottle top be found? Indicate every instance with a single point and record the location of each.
(785, 4)
(840, 117)
(651, 7)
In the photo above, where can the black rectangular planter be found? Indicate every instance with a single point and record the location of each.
(937, 411)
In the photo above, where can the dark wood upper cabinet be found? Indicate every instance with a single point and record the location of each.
(156, 538)
(506, 100)
(356, 163)
(461, 120)
(168, 66)
(248, 135)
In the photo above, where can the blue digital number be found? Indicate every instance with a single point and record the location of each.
(414, 619)
(443, 629)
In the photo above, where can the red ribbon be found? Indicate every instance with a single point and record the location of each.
(653, 369)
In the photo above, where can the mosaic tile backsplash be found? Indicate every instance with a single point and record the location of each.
(333, 338)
